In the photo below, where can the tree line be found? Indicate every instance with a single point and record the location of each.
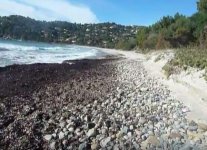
(176, 31)
(170, 32)
(108, 35)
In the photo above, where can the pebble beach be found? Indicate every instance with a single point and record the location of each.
(109, 104)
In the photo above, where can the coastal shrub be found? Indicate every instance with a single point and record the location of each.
(162, 43)
(188, 57)
(202, 6)
(144, 51)
(168, 69)
(131, 44)
(177, 31)
(126, 44)
(142, 35)
(205, 76)
(158, 58)
(194, 57)
(150, 42)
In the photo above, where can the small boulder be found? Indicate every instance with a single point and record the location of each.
(82, 146)
(202, 126)
(48, 137)
(61, 135)
(108, 123)
(62, 124)
(142, 120)
(94, 146)
(175, 135)
(52, 145)
(91, 132)
(71, 129)
(119, 135)
(105, 141)
(125, 129)
(152, 140)
(144, 89)
(91, 125)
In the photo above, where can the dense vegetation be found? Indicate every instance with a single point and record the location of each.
(187, 57)
(176, 31)
(108, 35)
(188, 35)
(170, 32)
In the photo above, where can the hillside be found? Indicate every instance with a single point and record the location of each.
(109, 35)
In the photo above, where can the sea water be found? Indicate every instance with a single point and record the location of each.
(21, 52)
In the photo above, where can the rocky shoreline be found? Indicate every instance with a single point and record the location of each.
(92, 104)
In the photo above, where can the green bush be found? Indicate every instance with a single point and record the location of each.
(192, 57)
(202, 6)
(150, 42)
(126, 44)
(168, 69)
(176, 31)
(142, 35)
(205, 76)
(162, 43)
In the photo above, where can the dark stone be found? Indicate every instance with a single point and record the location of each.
(6, 121)
(44, 89)
(108, 123)
(91, 125)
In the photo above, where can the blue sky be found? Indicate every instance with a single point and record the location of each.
(138, 11)
(127, 12)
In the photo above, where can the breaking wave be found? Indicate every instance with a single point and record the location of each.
(19, 52)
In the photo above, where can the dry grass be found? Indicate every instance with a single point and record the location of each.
(188, 57)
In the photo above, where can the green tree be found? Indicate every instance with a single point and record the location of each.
(202, 6)
(102, 35)
(126, 44)
(161, 42)
(151, 41)
(142, 35)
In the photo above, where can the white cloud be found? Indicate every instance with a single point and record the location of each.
(48, 10)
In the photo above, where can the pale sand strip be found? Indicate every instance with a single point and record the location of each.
(190, 89)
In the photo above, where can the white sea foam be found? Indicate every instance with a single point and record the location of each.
(16, 52)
